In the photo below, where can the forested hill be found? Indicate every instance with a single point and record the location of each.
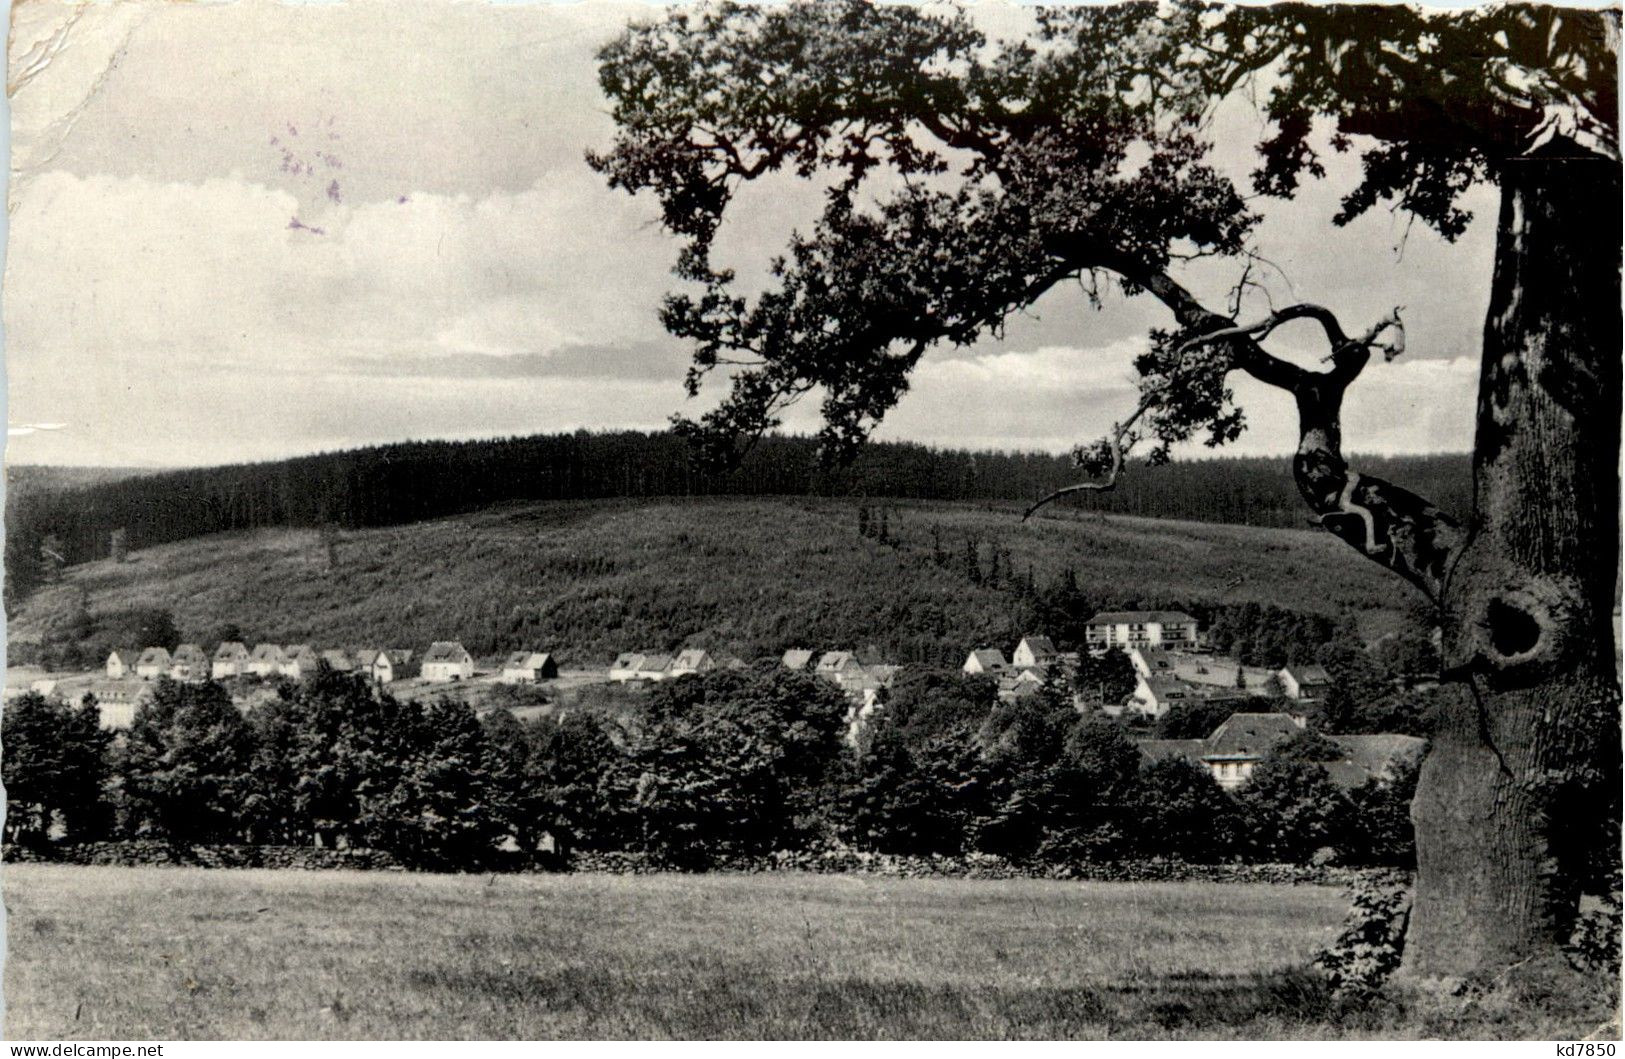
(394, 484)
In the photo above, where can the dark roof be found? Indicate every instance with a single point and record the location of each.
(1157, 749)
(1309, 674)
(691, 658)
(627, 660)
(1250, 734)
(127, 655)
(299, 652)
(267, 652)
(1039, 645)
(1156, 658)
(154, 654)
(526, 660)
(655, 663)
(189, 652)
(446, 651)
(229, 651)
(1130, 617)
(990, 657)
(796, 658)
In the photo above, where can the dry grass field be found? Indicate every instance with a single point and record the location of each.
(193, 954)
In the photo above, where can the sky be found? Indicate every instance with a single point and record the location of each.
(250, 230)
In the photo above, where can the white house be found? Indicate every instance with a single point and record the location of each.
(299, 661)
(1033, 651)
(625, 667)
(153, 663)
(1306, 683)
(189, 663)
(831, 664)
(693, 660)
(654, 667)
(985, 660)
(390, 665)
(1133, 628)
(121, 663)
(1151, 661)
(527, 667)
(446, 660)
(230, 660)
(265, 660)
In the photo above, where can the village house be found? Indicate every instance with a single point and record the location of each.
(1307, 683)
(230, 660)
(1134, 628)
(796, 659)
(1020, 684)
(625, 667)
(390, 665)
(153, 663)
(265, 660)
(189, 663)
(1235, 748)
(693, 660)
(527, 667)
(1034, 651)
(338, 660)
(988, 660)
(446, 660)
(654, 667)
(121, 663)
(1151, 661)
(832, 664)
(298, 661)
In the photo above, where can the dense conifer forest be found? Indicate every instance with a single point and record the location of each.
(78, 519)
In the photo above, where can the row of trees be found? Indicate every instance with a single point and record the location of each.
(394, 484)
(731, 764)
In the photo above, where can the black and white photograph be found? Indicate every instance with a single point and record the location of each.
(812, 520)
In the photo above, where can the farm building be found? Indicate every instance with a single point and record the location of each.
(1034, 651)
(153, 663)
(796, 659)
(230, 660)
(625, 667)
(121, 663)
(390, 665)
(265, 660)
(988, 660)
(299, 661)
(527, 667)
(693, 660)
(1234, 749)
(447, 660)
(1306, 683)
(1133, 628)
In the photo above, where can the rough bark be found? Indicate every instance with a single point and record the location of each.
(1500, 811)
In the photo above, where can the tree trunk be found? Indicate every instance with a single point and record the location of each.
(1507, 808)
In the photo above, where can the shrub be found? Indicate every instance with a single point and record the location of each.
(1372, 942)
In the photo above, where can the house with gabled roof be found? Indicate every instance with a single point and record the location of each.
(121, 663)
(230, 660)
(796, 659)
(655, 666)
(692, 660)
(391, 664)
(989, 660)
(299, 661)
(625, 667)
(1151, 661)
(527, 667)
(1131, 628)
(153, 663)
(1307, 683)
(833, 663)
(338, 660)
(447, 660)
(188, 662)
(1034, 651)
(266, 660)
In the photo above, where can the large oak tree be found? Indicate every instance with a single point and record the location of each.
(966, 177)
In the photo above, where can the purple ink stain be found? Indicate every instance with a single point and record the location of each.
(403, 200)
(333, 191)
(295, 224)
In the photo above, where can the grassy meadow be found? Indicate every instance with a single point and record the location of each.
(193, 954)
(589, 579)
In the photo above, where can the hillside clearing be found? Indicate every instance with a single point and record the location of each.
(742, 575)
